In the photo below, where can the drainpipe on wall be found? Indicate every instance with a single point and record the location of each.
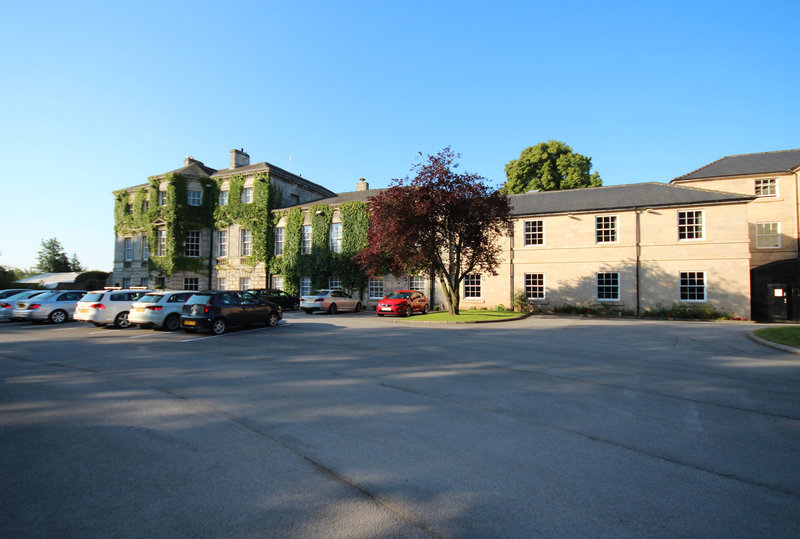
(511, 261)
(638, 256)
(212, 233)
(797, 211)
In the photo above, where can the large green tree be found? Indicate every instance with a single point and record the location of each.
(52, 258)
(549, 166)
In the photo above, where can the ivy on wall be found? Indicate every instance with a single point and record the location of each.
(321, 262)
(176, 216)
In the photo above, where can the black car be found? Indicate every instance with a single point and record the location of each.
(217, 311)
(275, 295)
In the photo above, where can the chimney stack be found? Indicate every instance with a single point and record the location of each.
(239, 158)
(189, 160)
(362, 185)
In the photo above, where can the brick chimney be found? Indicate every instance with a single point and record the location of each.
(189, 160)
(362, 185)
(239, 158)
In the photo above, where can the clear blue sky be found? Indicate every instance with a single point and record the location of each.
(97, 96)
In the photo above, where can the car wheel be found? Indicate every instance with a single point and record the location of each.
(172, 322)
(218, 326)
(332, 309)
(58, 316)
(121, 320)
(427, 309)
(272, 320)
(358, 307)
(408, 311)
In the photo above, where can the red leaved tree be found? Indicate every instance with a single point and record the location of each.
(439, 220)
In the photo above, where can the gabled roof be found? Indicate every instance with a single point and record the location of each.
(746, 164)
(277, 171)
(617, 197)
(195, 169)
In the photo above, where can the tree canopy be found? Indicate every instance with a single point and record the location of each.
(52, 258)
(549, 166)
(441, 221)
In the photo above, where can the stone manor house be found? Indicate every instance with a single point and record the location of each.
(725, 234)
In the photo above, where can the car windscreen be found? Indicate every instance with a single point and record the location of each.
(92, 297)
(150, 298)
(399, 295)
(199, 299)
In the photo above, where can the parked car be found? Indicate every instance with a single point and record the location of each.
(8, 304)
(403, 303)
(275, 295)
(11, 291)
(331, 301)
(162, 309)
(55, 306)
(217, 311)
(108, 306)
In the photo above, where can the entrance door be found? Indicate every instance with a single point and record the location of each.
(778, 301)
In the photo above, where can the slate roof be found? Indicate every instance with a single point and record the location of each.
(341, 198)
(742, 165)
(617, 197)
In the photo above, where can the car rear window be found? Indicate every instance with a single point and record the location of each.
(92, 297)
(151, 298)
(198, 299)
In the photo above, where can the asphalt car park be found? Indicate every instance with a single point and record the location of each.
(356, 425)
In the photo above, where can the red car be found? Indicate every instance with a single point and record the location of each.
(403, 303)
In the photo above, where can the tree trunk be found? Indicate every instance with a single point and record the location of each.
(451, 294)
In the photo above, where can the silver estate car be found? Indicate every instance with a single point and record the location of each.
(108, 306)
(330, 301)
(160, 309)
(54, 306)
(7, 305)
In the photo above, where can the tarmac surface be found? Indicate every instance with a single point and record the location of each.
(355, 426)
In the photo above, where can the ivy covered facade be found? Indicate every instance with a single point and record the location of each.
(248, 226)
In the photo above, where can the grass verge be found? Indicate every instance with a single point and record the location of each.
(790, 336)
(466, 316)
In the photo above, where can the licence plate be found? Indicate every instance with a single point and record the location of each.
(139, 309)
(189, 323)
(83, 310)
(386, 308)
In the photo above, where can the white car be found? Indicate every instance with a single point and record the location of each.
(330, 301)
(161, 309)
(108, 306)
(54, 306)
(7, 305)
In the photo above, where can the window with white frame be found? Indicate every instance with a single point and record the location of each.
(766, 187)
(192, 244)
(472, 286)
(335, 238)
(277, 282)
(162, 198)
(126, 282)
(608, 286)
(693, 285)
(375, 287)
(129, 209)
(247, 195)
(534, 233)
(194, 197)
(305, 245)
(144, 281)
(244, 283)
(690, 225)
(247, 243)
(223, 198)
(305, 286)
(222, 243)
(335, 282)
(145, 248)
(128, 249)
(534, 286)
(768, 235)
(161, 282)
(280, 235)
(220, 283)
(162, 243)
(606, 228)
(191, 283)
(416, 283)
(146, 205)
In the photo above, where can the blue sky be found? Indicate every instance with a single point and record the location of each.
(97, 96)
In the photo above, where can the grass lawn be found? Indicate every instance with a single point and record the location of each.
(788, 335)
(466, 316)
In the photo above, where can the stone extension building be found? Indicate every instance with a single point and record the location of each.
(725, 235)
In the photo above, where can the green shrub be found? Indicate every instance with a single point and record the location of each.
(692, 311)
